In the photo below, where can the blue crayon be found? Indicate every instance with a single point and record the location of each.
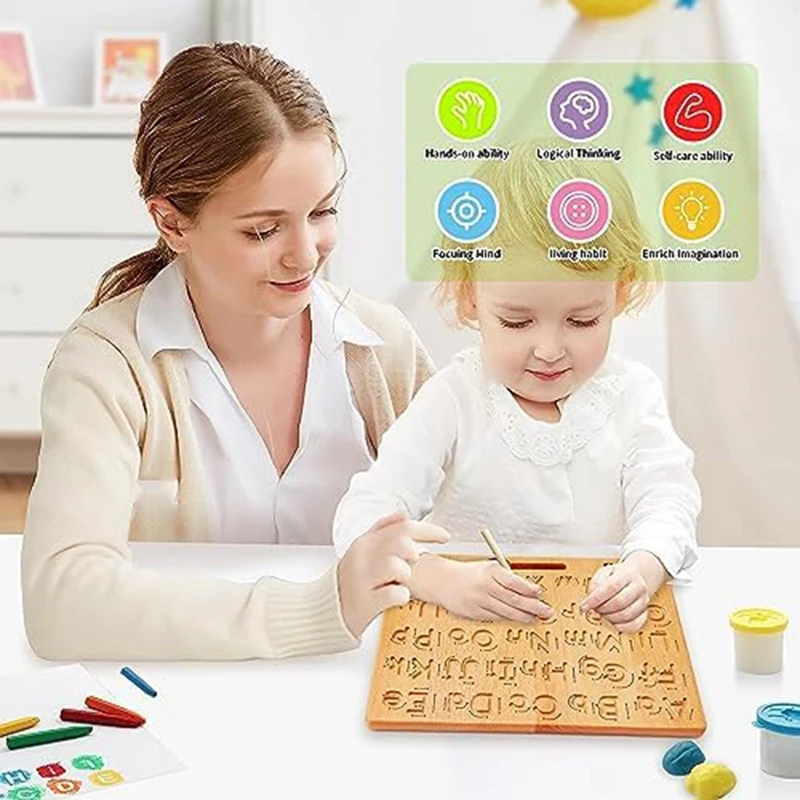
(137, 681)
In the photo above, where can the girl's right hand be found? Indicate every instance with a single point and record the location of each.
(484, 590)
(373, 574)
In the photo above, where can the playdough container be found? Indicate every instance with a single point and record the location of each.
(780, 739)
(758, 639)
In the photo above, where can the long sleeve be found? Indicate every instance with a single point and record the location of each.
(409, 469)
(83, 597)
(661, 496)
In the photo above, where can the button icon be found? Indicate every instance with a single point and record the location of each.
(579, 210)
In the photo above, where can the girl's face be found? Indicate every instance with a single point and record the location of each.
(260, 239)
(543, 339)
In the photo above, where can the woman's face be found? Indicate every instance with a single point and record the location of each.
(260, 239)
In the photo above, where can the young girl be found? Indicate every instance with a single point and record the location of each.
(218, 391)
(539, 434)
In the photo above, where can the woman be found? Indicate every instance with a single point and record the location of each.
(218, 390)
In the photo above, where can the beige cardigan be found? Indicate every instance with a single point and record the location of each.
(119, 461)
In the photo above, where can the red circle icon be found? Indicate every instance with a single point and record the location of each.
(693, 112)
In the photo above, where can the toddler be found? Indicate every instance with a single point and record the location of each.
(539, 433)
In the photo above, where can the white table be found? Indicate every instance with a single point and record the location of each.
(296, 728)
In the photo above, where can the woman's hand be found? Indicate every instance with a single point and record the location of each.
(622, 592)
(373, 574)
(481, 590)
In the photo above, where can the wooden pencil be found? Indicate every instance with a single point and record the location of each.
(497, 552)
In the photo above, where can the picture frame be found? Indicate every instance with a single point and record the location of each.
(126, 67)
(19, 79)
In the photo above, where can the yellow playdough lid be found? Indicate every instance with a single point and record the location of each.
(759, 620)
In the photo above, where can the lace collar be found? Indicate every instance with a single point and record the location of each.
(583, 413)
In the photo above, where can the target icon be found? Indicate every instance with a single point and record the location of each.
(466, 210)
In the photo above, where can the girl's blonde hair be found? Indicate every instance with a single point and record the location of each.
(523, 185)
(213, 109)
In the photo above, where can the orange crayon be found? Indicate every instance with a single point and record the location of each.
(104, 706)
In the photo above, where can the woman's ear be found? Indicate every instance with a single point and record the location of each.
(171, 224)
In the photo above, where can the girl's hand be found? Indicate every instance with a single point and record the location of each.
(373, 574)
(484, 590)
(622, 592)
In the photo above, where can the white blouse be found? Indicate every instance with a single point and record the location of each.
(250, 502)
(464, 455)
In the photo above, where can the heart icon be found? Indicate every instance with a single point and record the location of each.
(691, 116)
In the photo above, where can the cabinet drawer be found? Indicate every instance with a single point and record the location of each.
(23, 360)
(46, 283)
(72, 185)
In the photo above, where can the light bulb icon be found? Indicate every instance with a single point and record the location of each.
(691, 208)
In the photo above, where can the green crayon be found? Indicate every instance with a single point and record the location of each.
(47, 737)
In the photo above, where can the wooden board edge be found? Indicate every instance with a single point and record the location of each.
(465, 727)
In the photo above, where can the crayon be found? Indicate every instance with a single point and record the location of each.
(137, 681)
(97, 718)
(104, 706)
(17, 725)
(47, 737)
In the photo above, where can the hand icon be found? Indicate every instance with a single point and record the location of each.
(468, 104)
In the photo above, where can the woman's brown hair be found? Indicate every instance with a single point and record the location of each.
(213, 109)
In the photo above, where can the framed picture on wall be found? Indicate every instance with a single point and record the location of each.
(19, 82)
(126, 67)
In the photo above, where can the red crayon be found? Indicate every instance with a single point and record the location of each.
(96, 718)
(98, 704)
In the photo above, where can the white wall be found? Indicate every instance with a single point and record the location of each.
(63, 35)
(356, 52)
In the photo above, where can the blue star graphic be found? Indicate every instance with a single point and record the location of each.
(690, 4)
(657, 133)
(640, 89)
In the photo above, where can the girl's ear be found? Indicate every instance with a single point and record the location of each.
(171, 224)
(622, 296)
(468, 303)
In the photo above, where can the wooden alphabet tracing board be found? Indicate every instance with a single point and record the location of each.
(573, 673)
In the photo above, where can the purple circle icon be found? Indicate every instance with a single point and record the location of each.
(579, 210)
(579, 109)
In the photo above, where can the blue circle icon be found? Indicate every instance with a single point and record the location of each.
(466, 210)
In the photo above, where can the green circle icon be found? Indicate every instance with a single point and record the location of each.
(467, 109)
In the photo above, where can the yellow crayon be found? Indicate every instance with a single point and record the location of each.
(17, 725)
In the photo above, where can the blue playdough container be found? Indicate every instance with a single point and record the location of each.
(780, 739)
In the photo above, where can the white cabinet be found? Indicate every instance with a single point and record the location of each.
(69, 209)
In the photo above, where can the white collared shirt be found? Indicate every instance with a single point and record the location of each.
(465, 456)
(250, 502)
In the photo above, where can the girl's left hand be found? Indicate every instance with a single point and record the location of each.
(622, 592)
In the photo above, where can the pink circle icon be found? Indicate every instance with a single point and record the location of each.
(579, 210)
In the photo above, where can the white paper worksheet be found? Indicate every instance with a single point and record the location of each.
(106, 757)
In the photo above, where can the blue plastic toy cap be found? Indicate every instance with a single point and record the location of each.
(779, 718)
